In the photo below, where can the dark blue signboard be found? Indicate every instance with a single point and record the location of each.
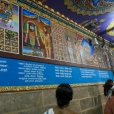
(25, 73)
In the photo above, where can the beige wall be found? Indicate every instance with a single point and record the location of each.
(89, 100)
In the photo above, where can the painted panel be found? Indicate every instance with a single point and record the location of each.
(9, 27)
(37, 40)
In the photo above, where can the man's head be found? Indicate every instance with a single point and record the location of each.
(107, 86)
(64, 94)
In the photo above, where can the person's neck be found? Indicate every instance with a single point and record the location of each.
(64, 107)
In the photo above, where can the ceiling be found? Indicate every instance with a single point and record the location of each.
(95, 15)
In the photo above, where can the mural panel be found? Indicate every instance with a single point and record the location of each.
(70, 38)
(59, 43)
(9, 27)
(37, 40)
(101, 57)
(88, 54)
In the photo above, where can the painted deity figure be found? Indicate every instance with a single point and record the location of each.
(32, 35)
(70, 50)
(46, 40)
(93, 25)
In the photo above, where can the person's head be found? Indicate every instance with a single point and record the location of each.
(110, 81)
(64, 94)
(107, 86)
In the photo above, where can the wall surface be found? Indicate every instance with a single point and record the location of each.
(88, 100)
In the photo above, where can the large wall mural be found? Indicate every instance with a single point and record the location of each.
(39, 49)
(45, 39)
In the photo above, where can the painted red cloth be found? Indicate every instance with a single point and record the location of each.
(109, 108)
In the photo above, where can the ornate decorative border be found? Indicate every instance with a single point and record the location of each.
(32, 88)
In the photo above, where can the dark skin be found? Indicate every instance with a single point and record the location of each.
(64, 110)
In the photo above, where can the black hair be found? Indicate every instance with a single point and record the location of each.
(64, 94)
(107, 86)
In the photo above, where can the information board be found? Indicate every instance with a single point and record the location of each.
(26, 73)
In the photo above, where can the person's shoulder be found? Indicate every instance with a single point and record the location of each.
(73, 112)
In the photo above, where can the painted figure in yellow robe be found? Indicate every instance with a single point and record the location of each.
(46, 40)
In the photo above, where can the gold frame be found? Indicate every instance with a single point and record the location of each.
(43, 87)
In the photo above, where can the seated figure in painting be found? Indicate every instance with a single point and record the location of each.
(46, 40)
(64, 94)
(32, 35)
